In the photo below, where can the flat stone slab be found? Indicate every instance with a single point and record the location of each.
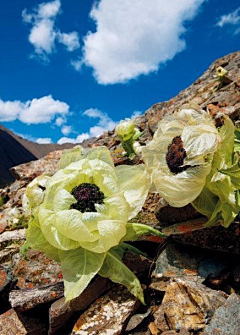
(188, 305)
(9, 236)
(60, 312)
(23, 300)
(107, 315)
(214, 238)
(35, 270)
(226, 319)
(13, 324)
(187, 262)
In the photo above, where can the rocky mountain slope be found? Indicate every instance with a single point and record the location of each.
(191, 278)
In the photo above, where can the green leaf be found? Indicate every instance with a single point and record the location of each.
(133, 249)
(206, 202)
(237, 140)
(135, 230)
(24, 248)
(233, 172)
(79, 266)
(70, 156)
(227, 135)
(114, 269)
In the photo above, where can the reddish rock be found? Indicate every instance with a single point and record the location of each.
(5, 276)
(36, 270)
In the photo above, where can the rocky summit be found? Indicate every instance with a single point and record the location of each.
(191, 279)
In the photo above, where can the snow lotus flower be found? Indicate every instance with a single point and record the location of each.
(83, 219)
(180, 155)
(125, 129)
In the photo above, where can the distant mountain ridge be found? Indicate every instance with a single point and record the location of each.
(15, 150)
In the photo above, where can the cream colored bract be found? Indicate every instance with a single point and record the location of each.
(87, 242)
(200, 140)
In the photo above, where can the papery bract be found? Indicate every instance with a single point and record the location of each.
(179, 176)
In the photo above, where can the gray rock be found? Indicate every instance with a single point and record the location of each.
(10, 236)
(178, 261)
(226, 319)
(23, 300)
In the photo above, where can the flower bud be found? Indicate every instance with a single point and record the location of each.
(125, 129)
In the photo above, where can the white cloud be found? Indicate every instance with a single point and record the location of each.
(66, 130)
(77, 64)
(33, 111)
(44, 34)
(60, 121)
(78, 139)
(232, 18)
(43, 140)
(104, 123)
(70, 40)
(136, 114)
(135, 37)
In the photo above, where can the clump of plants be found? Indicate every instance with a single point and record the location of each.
(83, 216)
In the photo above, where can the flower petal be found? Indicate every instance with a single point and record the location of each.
(181, 189)
(200, 140)
(100, 153)
(135, 184)
(110, 234)
(47, 221)
(63, 200)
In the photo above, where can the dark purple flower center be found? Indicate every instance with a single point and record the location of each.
(87, 196)
(175, 156)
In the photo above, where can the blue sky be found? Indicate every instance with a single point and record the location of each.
(71, 69)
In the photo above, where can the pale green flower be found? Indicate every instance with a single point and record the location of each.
(179, 156)
(125, 129)
(34, 194)
(83, 218)
(221, 72)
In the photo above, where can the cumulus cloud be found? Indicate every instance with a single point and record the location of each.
(70, 40)
(44, 34)
(232, 18)
(33, 111)
(44, 140)
(135, 37)
(66, 130)
(78, 139)
(136, 114)
(103, 124)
